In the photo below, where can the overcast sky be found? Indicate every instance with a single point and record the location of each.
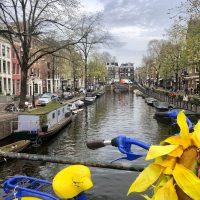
(133, 23)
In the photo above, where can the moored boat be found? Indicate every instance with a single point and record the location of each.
(121, 88)
(150, 100)
(137, 92)
(15, 147)
(164, 116)
(90, 97)
(40, 125)
(162, 106)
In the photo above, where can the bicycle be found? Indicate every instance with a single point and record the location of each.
(35, 189)
(78, 176)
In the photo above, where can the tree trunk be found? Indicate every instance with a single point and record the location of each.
(157, 79)
(176, 86)
(199, 79)
(24, 74)
(53, 75)
(86, 78)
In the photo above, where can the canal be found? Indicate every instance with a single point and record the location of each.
(110, 116)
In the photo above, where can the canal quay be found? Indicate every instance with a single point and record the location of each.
(110, 116)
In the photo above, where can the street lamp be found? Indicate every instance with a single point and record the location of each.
(33, 96)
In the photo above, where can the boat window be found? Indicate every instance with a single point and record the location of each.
(53, 115)
(58, 112)
(63, 110)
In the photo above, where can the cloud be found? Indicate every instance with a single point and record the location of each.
(134, 23)
(146, 13)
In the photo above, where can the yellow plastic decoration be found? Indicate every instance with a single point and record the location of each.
(175, 162)
(71, 181)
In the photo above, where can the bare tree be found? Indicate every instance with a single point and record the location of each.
(154, 49)
(95, 35)
(36, 20)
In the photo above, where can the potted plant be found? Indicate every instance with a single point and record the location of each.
(43, 123)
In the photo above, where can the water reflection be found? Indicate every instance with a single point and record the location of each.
(110, 116)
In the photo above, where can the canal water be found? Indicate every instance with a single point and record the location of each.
(110, 116)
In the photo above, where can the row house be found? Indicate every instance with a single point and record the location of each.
(16, 70)
(112, 72)
(116, 72)
(126, 71)
(6, 84)
(43, 77)
(43, 74)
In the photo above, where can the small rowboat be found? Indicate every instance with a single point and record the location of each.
(15, 147)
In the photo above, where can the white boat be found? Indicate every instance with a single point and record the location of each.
(79, 103)
(72, 106)
(77, 111)
(89, 100)
(138, 92)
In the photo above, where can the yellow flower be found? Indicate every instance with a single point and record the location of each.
(172, 166)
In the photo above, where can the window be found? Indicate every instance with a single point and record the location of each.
(9, 85)
(14, 66)
(1, 86)
(58, 112)
(8, 52)
(4, 82)
(53, 115)
(8, 66)
(4, 66)
(17, 70)
(3, 50)
(63, 110)
(18, 85)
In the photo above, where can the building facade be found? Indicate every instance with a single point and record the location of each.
(112, 72)
(5, 68)
(126, 71)
(16, 70)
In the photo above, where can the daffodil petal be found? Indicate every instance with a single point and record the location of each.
(167, 192)
(168, 171)
(185, 143)
(177, 152)
(181, 120)
(146, 178)
(156, 151)
(196, 135)
(161, 182)
(169, 162)
(187, 181)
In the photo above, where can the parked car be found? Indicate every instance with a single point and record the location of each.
(45, 99)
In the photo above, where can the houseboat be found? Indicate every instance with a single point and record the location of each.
(42, 123)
